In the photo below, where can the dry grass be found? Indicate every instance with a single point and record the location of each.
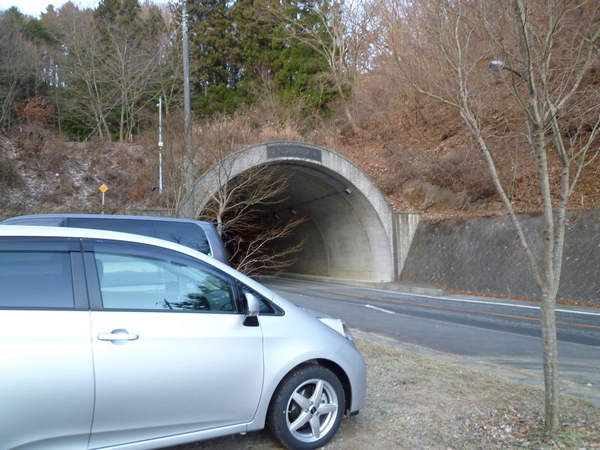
(417, 402)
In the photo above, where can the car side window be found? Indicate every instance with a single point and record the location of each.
(143, 283)
(36, 279)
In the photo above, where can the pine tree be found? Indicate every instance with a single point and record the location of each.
(236, 45)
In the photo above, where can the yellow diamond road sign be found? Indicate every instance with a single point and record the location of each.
(103, 188)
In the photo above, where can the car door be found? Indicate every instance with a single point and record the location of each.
(171, 352)
(46, 368)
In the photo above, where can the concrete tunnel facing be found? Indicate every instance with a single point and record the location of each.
(352, 232)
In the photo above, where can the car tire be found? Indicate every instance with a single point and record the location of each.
(307, 408)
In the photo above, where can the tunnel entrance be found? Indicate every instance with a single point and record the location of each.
(348, 227)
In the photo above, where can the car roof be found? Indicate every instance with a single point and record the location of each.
(105, 216)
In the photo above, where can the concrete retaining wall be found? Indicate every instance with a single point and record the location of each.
(405, 227)
(483, 255)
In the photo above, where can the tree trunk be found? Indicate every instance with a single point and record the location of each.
(550, 356)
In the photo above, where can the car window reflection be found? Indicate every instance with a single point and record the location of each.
(142, 283)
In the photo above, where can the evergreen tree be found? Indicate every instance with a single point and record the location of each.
(255, 26)
(299, 64)
(236, 45)
(214, 62)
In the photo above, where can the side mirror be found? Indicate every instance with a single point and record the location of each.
(251, 309)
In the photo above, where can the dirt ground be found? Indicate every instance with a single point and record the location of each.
(416, 402)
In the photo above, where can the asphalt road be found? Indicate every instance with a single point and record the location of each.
(500, 336)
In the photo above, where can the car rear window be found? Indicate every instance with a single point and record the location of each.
(183, 233)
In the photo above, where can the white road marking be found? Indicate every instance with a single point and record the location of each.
(380, 309)
(490, 301)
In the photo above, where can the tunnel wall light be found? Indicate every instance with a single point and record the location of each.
(496, 64)
(293, 211)
(348, 191)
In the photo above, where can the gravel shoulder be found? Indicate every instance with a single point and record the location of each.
(415, 401)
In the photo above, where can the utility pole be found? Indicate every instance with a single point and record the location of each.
(187, 206)
(160, 146)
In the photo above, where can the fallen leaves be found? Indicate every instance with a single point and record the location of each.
(513, 428)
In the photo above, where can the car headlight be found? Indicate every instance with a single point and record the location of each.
(337, 325)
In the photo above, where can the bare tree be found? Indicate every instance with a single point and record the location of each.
(84, 77)
(133, 51)
(19, 62)
(170, 66)
(108, 66)
(545, 59)
(241, 202)
(241, 207)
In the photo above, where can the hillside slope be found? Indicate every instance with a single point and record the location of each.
(423, 165)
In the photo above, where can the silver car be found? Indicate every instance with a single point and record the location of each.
(111, 340)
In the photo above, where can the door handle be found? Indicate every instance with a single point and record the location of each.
(118, 335)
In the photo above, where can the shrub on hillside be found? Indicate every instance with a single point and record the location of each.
(9, 176)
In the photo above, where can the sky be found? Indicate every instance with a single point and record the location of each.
(35, 7)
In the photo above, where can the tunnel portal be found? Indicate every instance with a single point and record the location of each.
(348, 231)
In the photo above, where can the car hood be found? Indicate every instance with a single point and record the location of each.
(316, 314)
